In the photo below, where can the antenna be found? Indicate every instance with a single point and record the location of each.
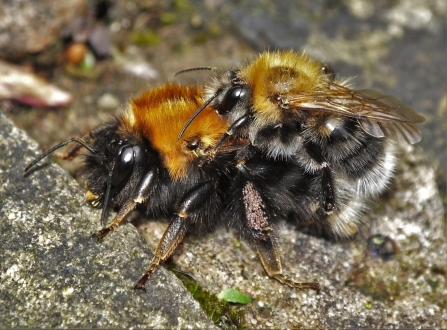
(58, 146)
(200, 68)
(204, 105)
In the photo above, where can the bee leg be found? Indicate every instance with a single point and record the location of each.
(139, 196)
(327, 196)
(268, 252)
(173, 235)
(237, 126)
(327, 192)
(128, 207)
(262, 233)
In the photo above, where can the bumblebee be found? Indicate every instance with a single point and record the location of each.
(293, 108)
(136, 162)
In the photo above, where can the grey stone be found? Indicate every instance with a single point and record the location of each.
(54, 274)
(29, 27)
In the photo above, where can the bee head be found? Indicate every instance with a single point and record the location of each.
(113, 169)
(231, 97)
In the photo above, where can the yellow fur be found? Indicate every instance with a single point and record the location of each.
(274, 76)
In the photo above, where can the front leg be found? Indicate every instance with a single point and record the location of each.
(140, 195)
(173, 235)
(236, 128)
(263, 235)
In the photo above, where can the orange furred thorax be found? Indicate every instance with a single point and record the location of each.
(159, 115)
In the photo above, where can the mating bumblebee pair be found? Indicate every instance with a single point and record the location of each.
(280, 138)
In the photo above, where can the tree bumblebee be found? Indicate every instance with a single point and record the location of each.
(292, 108)
(137, 162)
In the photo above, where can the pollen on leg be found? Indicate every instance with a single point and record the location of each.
(254, 207)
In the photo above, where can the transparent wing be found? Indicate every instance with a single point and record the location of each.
(379, 115)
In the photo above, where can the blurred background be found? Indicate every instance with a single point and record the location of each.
(104, 52)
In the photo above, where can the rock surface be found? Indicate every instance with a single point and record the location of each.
(27, 27)
(54, 275)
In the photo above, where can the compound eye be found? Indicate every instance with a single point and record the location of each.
(231, 98)
(123, 167)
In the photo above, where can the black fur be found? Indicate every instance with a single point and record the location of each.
(284, 185)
